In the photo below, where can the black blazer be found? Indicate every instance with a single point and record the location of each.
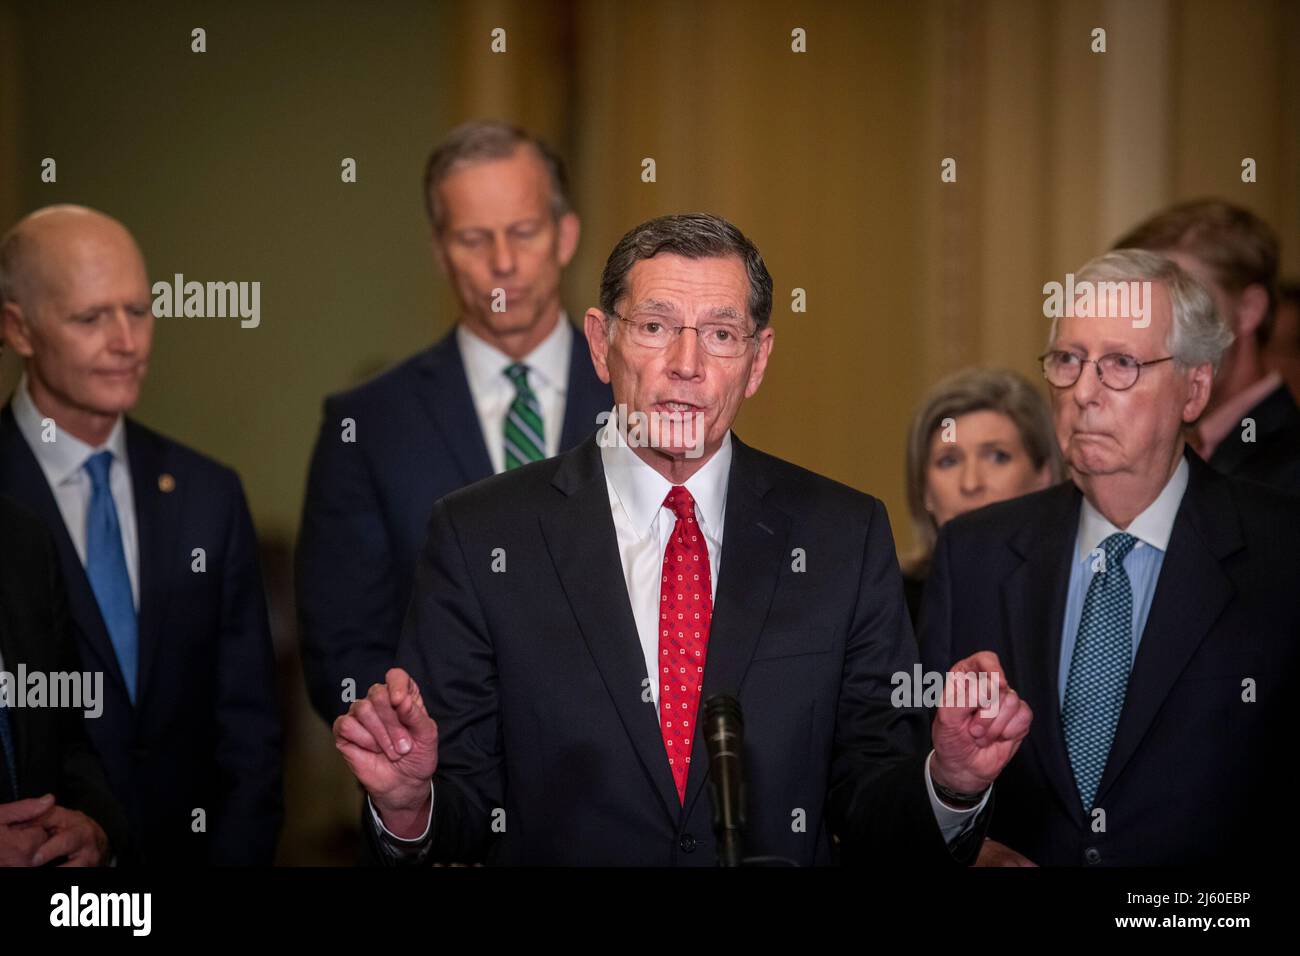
(205, 730)
(537, 680)
(368, 502)
(1273, 458)
(53, 754)
(1195, 775)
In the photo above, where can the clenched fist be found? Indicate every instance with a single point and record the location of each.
(972, 744)
(391, 745)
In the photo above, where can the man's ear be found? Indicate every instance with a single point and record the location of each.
(14, 330)
(594, 325)
(1252, 306)
(1199, 382)
(570, 229)
(765, 341)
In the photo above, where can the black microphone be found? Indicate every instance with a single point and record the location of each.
(724, 733)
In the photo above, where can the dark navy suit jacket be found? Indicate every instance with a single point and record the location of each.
(367, 506)
(51, 750)
(204, 733)
(550, 749)
(1196, 773)
(1273, 458)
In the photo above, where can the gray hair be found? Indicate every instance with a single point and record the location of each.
(11, 266)
(694, 236)
(1198, 333)
(481, 141)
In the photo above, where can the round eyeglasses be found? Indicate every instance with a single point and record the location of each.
(1115, 370)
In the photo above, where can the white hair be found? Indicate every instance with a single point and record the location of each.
(1198, 333)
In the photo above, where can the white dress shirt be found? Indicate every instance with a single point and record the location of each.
(63, 462)
(643, 526)
(494, 393)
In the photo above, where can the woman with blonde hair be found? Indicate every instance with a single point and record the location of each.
(980, 436)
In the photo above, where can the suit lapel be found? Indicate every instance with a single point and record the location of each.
(1034, 605)
(1190, 595)
(157, 510)
(22, 479)
(447, 399)
(584, 393)
(583, 545)
(753, 550)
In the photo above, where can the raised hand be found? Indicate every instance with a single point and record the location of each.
(973, 743)
(391, 746)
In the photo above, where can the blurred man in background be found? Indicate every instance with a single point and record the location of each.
(1251, 426)
(156, 545)
(510, 384)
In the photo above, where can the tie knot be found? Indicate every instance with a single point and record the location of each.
(1117, 546)
(97, 466)
(518, 373)
(680, 502)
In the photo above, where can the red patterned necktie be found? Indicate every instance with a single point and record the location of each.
(685, 609)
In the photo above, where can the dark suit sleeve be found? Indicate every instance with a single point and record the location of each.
(247, 819)
(935, 631)
(347, 596)
(82, 785)
(446, 648)
(878, 804)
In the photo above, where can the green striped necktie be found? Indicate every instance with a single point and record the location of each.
(524, 436)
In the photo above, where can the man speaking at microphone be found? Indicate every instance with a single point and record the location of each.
(569, 618)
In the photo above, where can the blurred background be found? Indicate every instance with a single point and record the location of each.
(226, 165)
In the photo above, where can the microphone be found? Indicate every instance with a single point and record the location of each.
(724, 733)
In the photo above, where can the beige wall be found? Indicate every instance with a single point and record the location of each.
(226, 165)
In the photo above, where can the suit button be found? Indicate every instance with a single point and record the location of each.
(1092, 855)
(687, 843)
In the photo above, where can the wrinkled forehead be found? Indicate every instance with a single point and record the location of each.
(674, 286)
(1118, 316)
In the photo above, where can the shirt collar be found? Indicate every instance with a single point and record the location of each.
(64, 457)
(1152, 527)
(548, 363)
(641, 490)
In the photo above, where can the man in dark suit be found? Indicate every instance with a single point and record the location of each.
(1251, 426)
(54, 801)
(156, 545)
(510, 384)
(565, 626)
(1146, 611)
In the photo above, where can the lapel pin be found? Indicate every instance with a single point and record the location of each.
(166, 483)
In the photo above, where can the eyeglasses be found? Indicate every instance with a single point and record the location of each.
(1116, 371)
(719, 339)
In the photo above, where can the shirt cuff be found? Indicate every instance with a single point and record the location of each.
(952, 822)
(392, 839)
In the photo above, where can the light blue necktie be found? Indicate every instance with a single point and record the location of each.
(106, 568)
(1099, 668)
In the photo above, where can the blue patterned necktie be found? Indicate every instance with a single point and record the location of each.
(1099, 668)
(8, 763)
(106, 568)
(523, 429)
